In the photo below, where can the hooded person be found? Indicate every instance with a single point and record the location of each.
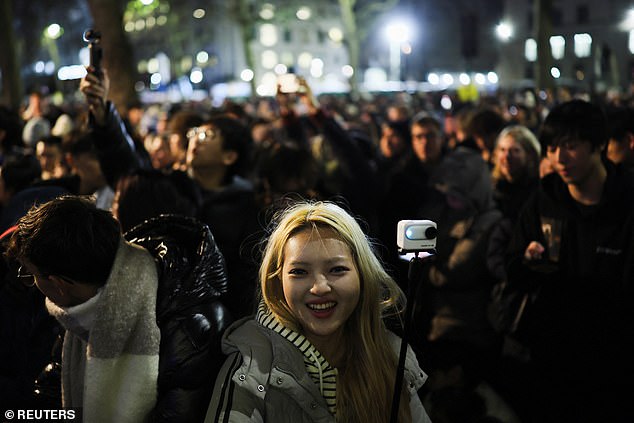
(457, 285)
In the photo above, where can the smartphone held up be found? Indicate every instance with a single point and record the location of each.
(289, 83)
(93, 38)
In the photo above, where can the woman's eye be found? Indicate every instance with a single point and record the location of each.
(339, 269)
(297, 272)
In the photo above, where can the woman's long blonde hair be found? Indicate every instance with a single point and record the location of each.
(528, 141)
(366, 382)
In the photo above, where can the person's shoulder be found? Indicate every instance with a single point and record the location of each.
(395, 343)
(254, 343)
(622, 177)
(414, 375)
(246, 335)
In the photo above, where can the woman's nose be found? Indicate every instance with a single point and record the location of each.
(320, 285)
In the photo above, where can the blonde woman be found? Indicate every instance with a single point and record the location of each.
(517, 154)
(515, 175)
(516, 168)
(317, 350)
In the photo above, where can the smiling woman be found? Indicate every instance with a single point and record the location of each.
(319, 333)
(321, 287)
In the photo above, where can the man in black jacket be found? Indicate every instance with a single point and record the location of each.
(142, 317)
(574, 247)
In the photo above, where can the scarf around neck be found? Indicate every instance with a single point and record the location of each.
(115, 360)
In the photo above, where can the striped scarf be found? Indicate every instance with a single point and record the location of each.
(320, 371)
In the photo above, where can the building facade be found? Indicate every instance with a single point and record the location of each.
(591, 44)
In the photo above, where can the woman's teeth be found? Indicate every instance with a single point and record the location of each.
(322, 306)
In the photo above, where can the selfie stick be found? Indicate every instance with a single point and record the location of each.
(414, 276)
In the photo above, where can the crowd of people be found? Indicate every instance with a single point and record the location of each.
(191, 263)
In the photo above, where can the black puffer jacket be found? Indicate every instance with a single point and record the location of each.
(191, 318)
(189, 314)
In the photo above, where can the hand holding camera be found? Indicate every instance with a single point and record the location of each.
(93, 38)
(95, 84)
(294, 92)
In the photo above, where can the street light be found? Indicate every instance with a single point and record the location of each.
(397, 33)
(504, 31)
(54, 31)
(50, 35)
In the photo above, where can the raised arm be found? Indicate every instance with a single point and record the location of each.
(115, 148)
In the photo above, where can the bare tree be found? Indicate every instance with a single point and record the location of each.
(244, 14)
(358, 18)
(543, 29)
(11, 82)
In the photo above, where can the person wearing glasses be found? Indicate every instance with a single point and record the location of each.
(142, 317)
(218, 152)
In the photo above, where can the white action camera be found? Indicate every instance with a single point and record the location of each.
(416, 235)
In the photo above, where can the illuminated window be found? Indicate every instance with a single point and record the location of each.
(530, 50)
(268, 35)
(304, 13)
(304, 59)
(557, 46)
(583, 45)
(630, 41)
(269, 59)
(267, 12)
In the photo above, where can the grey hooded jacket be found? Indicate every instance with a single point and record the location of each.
(264, 380)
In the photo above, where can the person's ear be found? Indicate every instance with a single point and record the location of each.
(630, 140)
(229, 157)
(60, 282)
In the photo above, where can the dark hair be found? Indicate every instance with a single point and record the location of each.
(134, 104)
(620, 122)
(402, 129)
(11, 124)
(574, 120)
(235, 137)
(68, 236)
(52, 140)
(20, 171)
(485, 123)
(80, 143)
(150, 193)
(427, 121)
(290, 169)
(181, 121)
